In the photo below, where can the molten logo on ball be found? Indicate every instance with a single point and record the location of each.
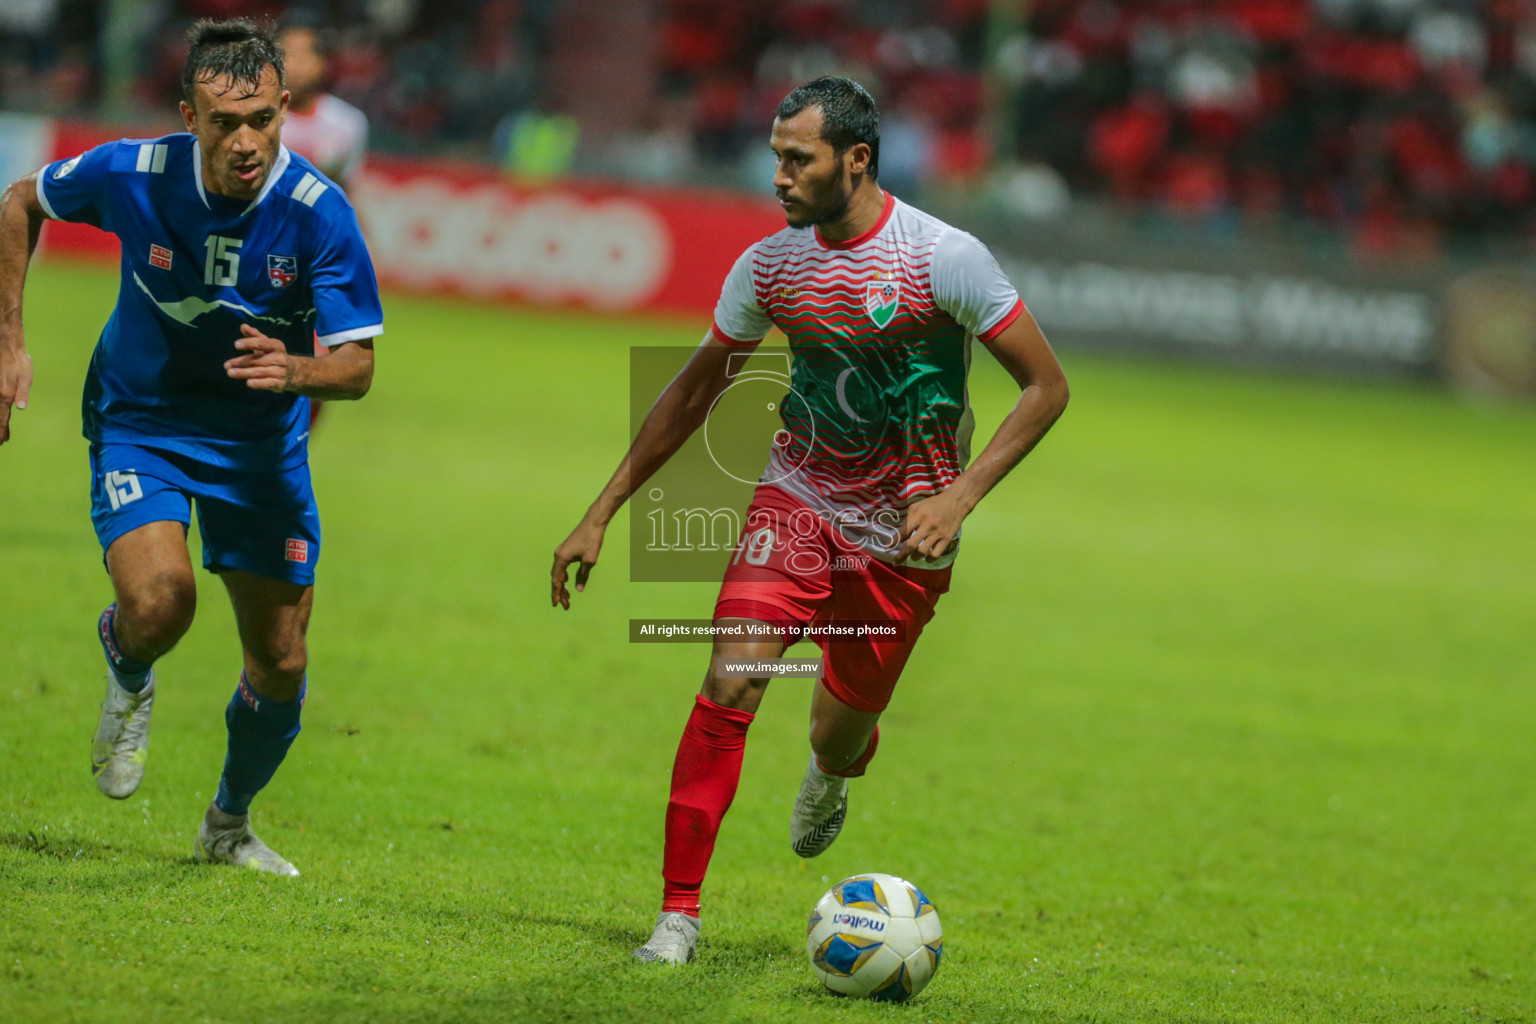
(889, 950)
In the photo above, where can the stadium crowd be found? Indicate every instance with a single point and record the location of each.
(1406, 121)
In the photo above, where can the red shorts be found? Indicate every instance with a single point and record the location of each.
(793, 569)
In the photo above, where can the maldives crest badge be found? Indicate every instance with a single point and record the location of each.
(882, 299)
(282, 271)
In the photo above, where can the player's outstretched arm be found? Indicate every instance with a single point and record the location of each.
(21, 219)
(346, 372)
(933, 524)
(682, 408)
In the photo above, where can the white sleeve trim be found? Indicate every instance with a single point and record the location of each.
(355, 334)
(42, 197)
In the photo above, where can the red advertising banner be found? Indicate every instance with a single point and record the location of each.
(448, 228)
(437, 227)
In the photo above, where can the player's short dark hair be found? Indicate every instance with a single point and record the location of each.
(237, 49)
(848, 114)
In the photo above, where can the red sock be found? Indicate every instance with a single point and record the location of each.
(704, 779)
(856, 769)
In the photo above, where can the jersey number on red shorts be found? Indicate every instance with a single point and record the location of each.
(756, 546)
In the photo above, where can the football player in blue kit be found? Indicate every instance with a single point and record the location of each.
(238, 258)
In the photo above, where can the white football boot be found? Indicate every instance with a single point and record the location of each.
(121, 747)
(673, 941)
(819, 811)
(228, 839)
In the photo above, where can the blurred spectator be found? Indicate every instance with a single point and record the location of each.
(537, 145)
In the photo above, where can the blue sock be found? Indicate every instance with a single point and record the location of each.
(131, 675)
(260, 732)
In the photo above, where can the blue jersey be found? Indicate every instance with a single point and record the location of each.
(195, 267)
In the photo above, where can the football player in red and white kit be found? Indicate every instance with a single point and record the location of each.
(327, 131)
(857, 515)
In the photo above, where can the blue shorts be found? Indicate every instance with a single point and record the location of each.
(259, 522)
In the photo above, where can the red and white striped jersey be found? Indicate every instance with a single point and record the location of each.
(877, 415)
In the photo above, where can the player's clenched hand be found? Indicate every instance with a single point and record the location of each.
(932, 526)
(15, 384)
(265, 365)
(581, 546)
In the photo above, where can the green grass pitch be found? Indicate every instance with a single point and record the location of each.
(1228, 717)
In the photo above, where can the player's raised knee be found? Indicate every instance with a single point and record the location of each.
(732, 690)
(727, 684)
(155, 612)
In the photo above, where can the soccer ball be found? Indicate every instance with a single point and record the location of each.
(875, 935)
